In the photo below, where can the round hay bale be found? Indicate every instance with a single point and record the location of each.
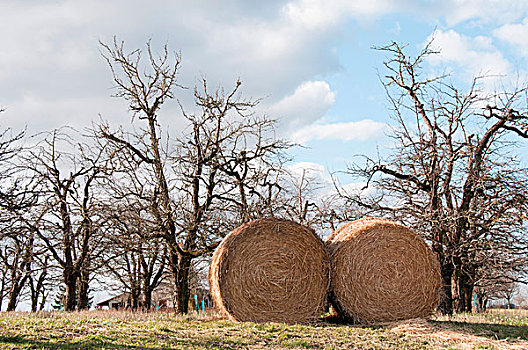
(381, 271)
(270, 270)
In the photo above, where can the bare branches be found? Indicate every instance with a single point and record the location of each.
(103, 132)
(65, 218)
(411, 178)
(450, 173)
(145, 87)
(199, 185)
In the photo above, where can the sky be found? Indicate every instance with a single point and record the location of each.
(311, 62)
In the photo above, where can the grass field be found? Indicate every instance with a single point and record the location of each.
(504, 329)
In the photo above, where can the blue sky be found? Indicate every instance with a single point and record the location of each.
(311, 61)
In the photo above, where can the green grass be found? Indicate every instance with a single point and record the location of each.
(120, 330)
(496, 324)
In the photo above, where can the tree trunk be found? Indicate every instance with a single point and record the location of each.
(135, 292)
(460, 283)
(180, 267)
(38, 289)
(42, 301)
(468, 295)
(34, 295)
(70, 281)
(464, 291)
(34, 304)
(147, 295)
(446, 297)
(84, 298)
(2, 288)
(14, 292)
(482, 303)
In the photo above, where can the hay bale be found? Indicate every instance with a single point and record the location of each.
(381, 271)
(270, 270)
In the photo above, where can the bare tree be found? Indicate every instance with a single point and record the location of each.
(507, 292)
(16, 240)
(307, 198)
(204, 182)
(220, 165)
(4, 269)
(452, 174)
(17, 257)
(38, 283)
(136, 258)
(300, 191)
(495, 284)
(69, 228)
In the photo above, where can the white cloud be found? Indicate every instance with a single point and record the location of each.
(40, 35)
(314, 173)
(475, 55)
(515, 35)
(42, 112)
(360, 130)
(310, 167)
(318, 14)
(50, 50)
(481, 11)
(310, 101)
(359, 189)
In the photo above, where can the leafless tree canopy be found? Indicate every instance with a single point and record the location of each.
(146, 204)
(195, 187)
(453, 173)
(16, 244)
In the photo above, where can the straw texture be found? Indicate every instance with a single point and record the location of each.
(381, 271)
(270, 270)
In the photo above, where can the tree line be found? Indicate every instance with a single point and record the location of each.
(137, 205)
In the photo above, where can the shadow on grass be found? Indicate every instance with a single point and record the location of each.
(97, 343)
(337, 320)
(85, 344)
(493, 330)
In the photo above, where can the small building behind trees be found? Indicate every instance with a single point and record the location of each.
(118, 302)
(162, 299)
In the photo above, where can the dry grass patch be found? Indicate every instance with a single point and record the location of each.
(122, 330)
